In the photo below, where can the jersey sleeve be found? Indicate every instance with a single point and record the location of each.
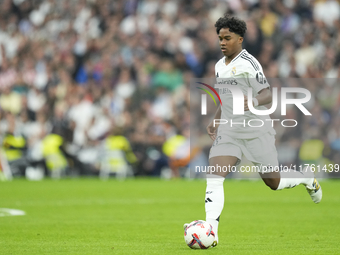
(216, 70)
(256, 78)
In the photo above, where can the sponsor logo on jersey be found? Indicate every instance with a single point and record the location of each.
(229, 82)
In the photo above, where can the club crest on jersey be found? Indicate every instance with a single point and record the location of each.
(233, 71)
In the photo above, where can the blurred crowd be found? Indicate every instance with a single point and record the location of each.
(94, 70)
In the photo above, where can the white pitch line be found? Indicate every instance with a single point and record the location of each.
(11, 212)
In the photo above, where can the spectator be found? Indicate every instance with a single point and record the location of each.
(78, 68)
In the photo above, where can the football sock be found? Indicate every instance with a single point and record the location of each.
(214, 200)
(292, 178)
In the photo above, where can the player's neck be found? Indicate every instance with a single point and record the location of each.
(231, 57)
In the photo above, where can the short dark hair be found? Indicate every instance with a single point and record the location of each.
(234, 24)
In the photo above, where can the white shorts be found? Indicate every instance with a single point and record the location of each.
(261, 151)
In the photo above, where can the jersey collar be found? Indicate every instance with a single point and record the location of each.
(238, 55)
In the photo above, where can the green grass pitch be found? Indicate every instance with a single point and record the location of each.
(145, 216)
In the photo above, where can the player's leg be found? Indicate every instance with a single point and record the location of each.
(220, 167)
(291, 178)
(288, 178)
(271, 179)
(222, 158)
(277, 180)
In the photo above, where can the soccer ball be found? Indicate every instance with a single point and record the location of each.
(199, 235)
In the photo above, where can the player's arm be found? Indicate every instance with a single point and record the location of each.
(264, 97)
(211, 129)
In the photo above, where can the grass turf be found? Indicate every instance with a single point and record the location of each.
(145, 216)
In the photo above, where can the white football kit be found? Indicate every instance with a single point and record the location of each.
(236, 137)
(248, 134)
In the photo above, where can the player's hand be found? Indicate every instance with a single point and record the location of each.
(246, 108)
(212, 131)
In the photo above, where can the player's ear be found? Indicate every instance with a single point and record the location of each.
(240, 39)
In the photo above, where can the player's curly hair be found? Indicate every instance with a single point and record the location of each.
(234, 24)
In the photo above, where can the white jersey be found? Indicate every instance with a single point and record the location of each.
(244, 71)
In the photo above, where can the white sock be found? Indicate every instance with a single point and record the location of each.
(292, 178)
(214, 200)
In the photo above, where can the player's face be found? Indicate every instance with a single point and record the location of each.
(230, 43)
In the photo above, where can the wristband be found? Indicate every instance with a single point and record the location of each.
(255, 101)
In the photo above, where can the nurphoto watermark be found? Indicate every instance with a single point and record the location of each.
(301, 117)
